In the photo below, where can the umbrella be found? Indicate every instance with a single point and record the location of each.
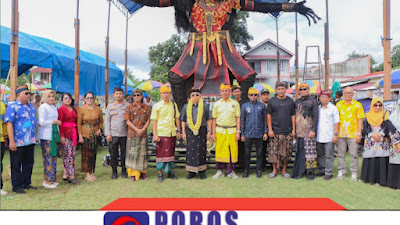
(46, 86)
(130, 83)
(317, 89)
(3, 87)
(150, 85)
(395, 79)
(312, 83)
(261, 86)
(290, 90)
(32, 87)
(168, 84)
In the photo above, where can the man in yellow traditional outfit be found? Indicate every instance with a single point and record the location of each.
(226, 132)
(165, 117)
(196, 130)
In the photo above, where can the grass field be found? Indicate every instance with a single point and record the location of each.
(87, 196)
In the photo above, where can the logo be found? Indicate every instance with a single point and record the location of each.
(126, 218)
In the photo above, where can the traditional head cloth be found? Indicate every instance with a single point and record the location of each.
(195, 90)
(253, 91)
(235, 87)
(376, 118)
(21, 89)
(265, 90)
(395, 117)
(328, 94)
(46, 95)
(304, 85)
(164, 88)
(280, 84)
(224, 86)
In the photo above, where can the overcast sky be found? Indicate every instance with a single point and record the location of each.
(354, 25)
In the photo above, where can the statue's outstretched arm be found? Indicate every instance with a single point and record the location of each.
(252, 5)
(155, 3)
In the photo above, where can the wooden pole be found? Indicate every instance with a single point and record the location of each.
(14, 49)
(107, 52)
(76, 23)
(126, 57)
(387, 57)
(327, 49)
(296, 62)
(278, 71)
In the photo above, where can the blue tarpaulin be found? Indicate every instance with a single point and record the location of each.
(395, 78)
(42, 52)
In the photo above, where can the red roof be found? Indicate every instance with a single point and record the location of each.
(368, 76)
(41, 70)
(362, 86)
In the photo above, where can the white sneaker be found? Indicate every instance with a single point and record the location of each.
(354, 177)
(55, 183)
(51, 186)
(340, 175)
(232, 175)
(218, 174)
(3, 192)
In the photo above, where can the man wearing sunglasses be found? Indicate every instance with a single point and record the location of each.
(307, 113)
(351, 115)
(21, 126)
(116, 131)
(196, 130)
(253, 130)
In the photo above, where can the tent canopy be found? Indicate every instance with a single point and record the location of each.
(42, 52)
(395, 78)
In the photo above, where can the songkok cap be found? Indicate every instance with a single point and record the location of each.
(235, 87)
(164, 88)
(302, 85)
(224, 86)
(195, 90)
(265, 90)
(326, 93)
(253, 91)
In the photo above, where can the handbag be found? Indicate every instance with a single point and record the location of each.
(102, 139)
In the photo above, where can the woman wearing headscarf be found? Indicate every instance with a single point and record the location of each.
(376, 144)
(393, 178)
(48, 116)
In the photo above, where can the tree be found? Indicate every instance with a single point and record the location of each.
(396, 56)
(355, 55)
(163, 57)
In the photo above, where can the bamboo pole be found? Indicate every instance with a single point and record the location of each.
(14, 49)
(107, 53)
(126, 57)
(327, 49)
(387, 62)
(77, 25)
(296, 62)
(278, 71)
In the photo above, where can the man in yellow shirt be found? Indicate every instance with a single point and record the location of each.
(3, 140)
(165, 116)
(351, 114)
(226, 132)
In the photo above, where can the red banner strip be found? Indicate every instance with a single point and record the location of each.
(222, 204)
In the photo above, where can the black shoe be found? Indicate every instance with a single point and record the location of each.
(259, 174)
(320, 174)
(202, 175)
(310, 176)
(160, 177)
(73, 181)
(171, 175)
(20, 191)
(114, 174)
(123, 173)
(245, 174)
(190, 175)
(328, 177)
(30, 187)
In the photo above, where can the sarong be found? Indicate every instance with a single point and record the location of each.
(68, 156)
(306, 156)
(49, 162)
(89, 152)
(280, 149)
(226, 148)
(165, 149)
(137, 158)
(196, 150)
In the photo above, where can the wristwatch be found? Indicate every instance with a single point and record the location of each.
(336, 134)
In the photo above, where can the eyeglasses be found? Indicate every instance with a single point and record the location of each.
(67, 98)
(89, 98)
(303, 89)
(197, 95)
(378, 105)
(252, 95)
(137, 95)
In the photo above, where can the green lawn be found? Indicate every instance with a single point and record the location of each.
(352, 195)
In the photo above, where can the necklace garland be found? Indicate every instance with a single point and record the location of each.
(193, 127)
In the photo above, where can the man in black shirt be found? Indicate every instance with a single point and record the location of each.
(281, 129)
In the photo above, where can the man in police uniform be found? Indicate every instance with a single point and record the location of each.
(116, 131)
